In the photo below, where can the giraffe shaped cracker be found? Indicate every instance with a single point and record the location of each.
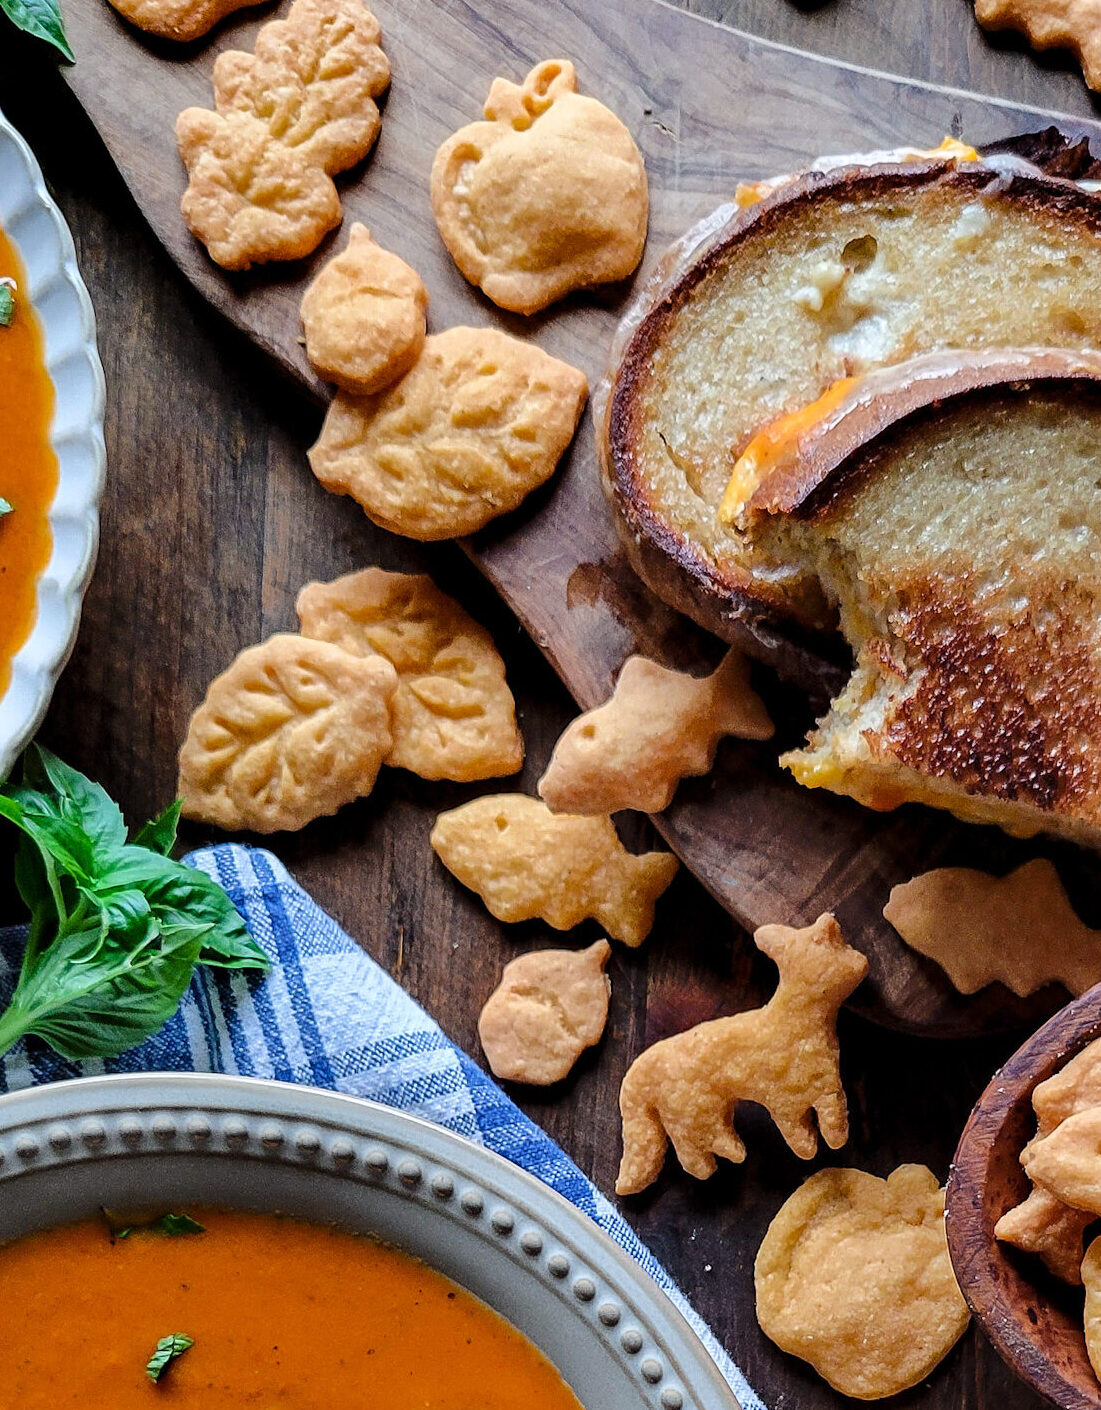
(526, 862)
(784, 1056)
(547, 195)
(658, 727)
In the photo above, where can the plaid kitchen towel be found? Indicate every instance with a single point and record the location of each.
(329, 1016)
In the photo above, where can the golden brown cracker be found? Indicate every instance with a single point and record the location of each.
(1052, 1230)
(249, 199)
(527, 863)
(548, 1008)
(480, 421)
(312, 80)
(1052, 24)
(854, 1276)
(1067, 1161)
(1091, 1313)
(659, 727)
(364, 316)
(178, 19)
(291, 731)
(453, 715)
(1018, 929)
(546, 196)
(784, 1056)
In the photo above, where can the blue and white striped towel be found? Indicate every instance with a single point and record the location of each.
(329, 1016)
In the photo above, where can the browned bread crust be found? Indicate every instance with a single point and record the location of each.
(726, 596)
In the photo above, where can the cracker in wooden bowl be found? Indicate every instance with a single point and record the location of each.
(548, 1008)
(453, 715)
(546, 196)
(364, 316)
(291, 731)
(854, 1276)
(481, 420)
(527, 863)
(659, 727)
(784, 1056)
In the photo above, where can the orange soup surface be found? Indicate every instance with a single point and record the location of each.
(28, 467)
(283, 1316)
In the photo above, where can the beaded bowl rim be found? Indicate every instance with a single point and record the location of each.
(91, 1119)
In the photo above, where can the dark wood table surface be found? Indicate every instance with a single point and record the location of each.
(211, 523)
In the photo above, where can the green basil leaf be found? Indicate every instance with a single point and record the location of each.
(172, 1226)
(7, 308)
(66, 793)
(168, 1349)
(160, 834)
(42, 18)
(91, 998)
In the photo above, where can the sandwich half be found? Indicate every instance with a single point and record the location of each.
(951, 525)
(827, 278)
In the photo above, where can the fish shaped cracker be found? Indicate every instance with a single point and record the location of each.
(785, 1056)
(548, 1008)
(1018, 929)
(453, 715)
(659, 727)
(528, 863)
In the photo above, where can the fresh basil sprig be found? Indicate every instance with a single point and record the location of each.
(117, 927)
(42, 18)
(168, 1349)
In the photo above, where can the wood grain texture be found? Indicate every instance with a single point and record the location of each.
(211, 525)
(765, 848)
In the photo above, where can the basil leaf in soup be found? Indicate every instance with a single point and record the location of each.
(42, 18)
(168, 1349)
(7, 310)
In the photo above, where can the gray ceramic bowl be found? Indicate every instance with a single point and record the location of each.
(165, 1140)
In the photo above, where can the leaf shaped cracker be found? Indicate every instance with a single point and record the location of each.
(312, 79)
(658, 727)
(1019, 929)
(1042, 1224)
(548, 1008)
(290, 732)
(1068, 1161)
(178, 19)
(526, 862)
(854, 1276)
(480, 421)
(1052, 24)
(249, 199)
(453, 716)
(783, 1056)
(547, 195)
(364, 316)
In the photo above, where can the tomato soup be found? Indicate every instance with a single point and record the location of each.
(28, 467)
(281, 1315)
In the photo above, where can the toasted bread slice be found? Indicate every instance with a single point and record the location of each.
(830, 276)
(960, 543)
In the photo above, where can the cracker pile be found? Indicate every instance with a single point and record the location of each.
(545, 196)
(388, 669)
(286, 119)
(1019, 930)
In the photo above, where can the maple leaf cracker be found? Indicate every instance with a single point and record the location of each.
(480, 421)
(548, 1008)
(181, 20)
(364, 316)
(1052, 24)
(1018, 929)
(527, 863)
(453, 715)
(659, 727)
(854, 1276)
(546, 196)
(291, 731)
(784, 1056)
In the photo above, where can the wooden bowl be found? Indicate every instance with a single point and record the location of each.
(1033, 1320)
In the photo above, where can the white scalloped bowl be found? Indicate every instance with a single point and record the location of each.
(37, 228)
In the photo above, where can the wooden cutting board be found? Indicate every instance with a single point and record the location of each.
(709, 106)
